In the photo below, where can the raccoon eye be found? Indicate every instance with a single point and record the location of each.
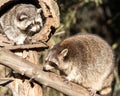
(53, 64)
(38, 23)
(23, 17)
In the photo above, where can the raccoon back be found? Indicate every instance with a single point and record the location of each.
(88, 51)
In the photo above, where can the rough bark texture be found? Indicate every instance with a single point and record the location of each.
(51, 13)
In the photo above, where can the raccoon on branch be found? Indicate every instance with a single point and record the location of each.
(21, 21)
(86, 60)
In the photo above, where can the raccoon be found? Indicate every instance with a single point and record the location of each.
(21, 21)
(85, 59)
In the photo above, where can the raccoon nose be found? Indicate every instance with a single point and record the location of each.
(37, 28)
(34, 28)
(44, 68)
(47, 67)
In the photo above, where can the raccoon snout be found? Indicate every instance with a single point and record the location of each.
(33, 28)
(49, 66)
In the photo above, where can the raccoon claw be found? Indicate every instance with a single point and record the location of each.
(28, 40)
(31, 79)
(92, 92)
(64, 79)
(69, 78)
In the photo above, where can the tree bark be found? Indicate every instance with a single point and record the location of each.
(34, 71)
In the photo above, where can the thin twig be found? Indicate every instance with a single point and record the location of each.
(27, 46)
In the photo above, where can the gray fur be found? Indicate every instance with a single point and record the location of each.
(21, 21)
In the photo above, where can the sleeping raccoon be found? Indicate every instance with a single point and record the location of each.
(21, 21)
(85, 59)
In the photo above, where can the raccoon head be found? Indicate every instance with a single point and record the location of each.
(56, 60)
(28, 19)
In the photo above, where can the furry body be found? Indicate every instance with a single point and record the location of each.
(21, 21)
(85, 59)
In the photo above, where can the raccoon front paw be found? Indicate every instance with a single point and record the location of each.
(105, 91)
(92, 92)
(69, 78)
(64, 79)
(28, 40)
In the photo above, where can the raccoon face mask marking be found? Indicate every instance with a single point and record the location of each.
(29, 20)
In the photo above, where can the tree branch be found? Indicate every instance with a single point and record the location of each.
(27, 46)
(34, 71)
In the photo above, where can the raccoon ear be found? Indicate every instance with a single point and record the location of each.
(39, 10)
(64, 52)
